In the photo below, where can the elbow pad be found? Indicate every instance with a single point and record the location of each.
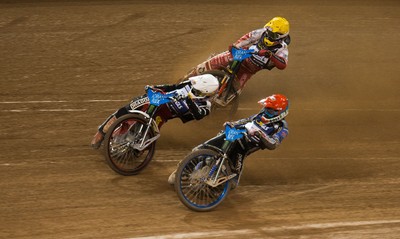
(279, 62)
(268, 143)
(281, 135)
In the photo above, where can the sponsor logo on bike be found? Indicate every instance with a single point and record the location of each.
(140, 102)
(178, 105)
(233, 134)
(156, 99)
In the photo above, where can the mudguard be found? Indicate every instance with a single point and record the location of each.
(147, 117)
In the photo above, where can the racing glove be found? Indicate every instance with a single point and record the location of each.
(265, 53)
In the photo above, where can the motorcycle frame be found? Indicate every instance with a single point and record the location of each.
(224, 151)
(148, 115)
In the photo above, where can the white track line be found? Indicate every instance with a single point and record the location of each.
(179, 156)
(157, 159)
(51, 102)
(125, 100)
(45, 110)
(349, 109)
(330, 225)
(222, 233)
(247, 232)
(33, 102)
(240, 109)
(104, 100)
(61, 110)
(54, 101)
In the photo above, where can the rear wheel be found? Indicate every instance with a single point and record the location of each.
(219, 101)
(123, 134)
(191, 177)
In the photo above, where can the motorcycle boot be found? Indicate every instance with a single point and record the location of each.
(171, 178)
(97, 140)
(99, 136)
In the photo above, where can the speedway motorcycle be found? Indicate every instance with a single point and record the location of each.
(229, 91)
(131, 139)
(205, 177)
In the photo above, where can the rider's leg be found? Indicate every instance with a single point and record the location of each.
(102, 130)
(214, 63)
(171, 178)
(243, 76)
(137, 103)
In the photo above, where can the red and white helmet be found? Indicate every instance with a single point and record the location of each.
(274, 105)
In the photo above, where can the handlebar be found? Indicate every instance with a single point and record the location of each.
(149, 87)
(240, 54)
(152, 88)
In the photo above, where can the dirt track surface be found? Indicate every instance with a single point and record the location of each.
(65, 66)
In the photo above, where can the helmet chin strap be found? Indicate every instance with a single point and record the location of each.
(277, 118)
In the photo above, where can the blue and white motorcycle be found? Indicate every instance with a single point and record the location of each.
(205, 177)
(130, 141)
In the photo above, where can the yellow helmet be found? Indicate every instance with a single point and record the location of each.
(277, 29)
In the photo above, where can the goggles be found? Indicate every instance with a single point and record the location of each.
(197, 93)
(272, 36)
(271, 112)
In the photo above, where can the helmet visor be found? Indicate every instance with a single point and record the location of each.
(197, 93)
(272, 36)
(271, 112)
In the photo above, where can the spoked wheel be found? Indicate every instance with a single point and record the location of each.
(191, 177)
(120, 139)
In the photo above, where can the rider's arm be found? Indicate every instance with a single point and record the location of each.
(165, 88)
(199, 109)
(249, 38)
(280, 58)
(273, 141)
(241, 122)
(168, 88)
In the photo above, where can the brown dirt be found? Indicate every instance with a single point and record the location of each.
(336, 175)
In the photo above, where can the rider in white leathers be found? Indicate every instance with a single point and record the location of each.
(194, 103)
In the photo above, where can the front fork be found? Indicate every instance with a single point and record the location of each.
(234, 69)
(216, 180)
(143, 142)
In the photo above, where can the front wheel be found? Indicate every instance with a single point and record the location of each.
(120, 153)
(191, 177)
